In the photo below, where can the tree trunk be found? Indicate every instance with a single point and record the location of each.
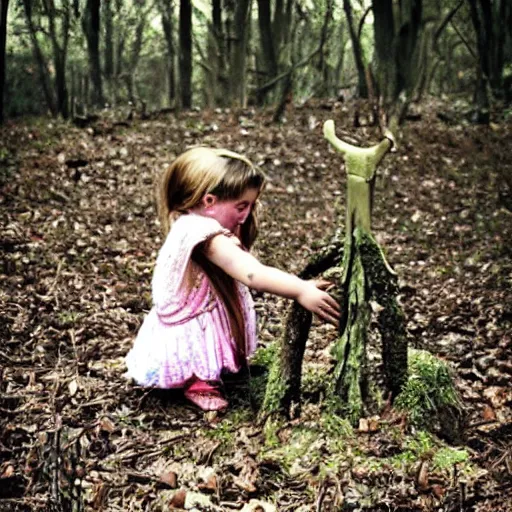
(366, 276)
(42, 67)
(109, 47)
(4, 4)
(282, 394)
(167, 10)
(267, 43)
(91, 25)
(239, 52)
(186, 53)
(60, 50)
(396, 56)
(220, 57)
(362, 87)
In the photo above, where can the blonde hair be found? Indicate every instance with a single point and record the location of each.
(200, 171)
(227, 175)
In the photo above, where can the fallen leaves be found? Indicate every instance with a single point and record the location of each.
(75, 284)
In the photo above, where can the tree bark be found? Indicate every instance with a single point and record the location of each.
(267, 43)
(283, 392)
(218, 58)
(238, 59)
(166, 9)
(366, 276)
(358, 52)
(185, 29)
(396, 56)
(42, 67)
(109, 47)
(60, 50)
(91, 25)
(4, 5)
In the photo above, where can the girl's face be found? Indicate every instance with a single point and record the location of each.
(230, 213)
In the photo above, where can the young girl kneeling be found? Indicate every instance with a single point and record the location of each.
(203, 321)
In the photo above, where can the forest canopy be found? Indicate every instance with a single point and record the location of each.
(73, 57)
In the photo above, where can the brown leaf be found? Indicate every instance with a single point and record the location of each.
(488, 413)
(210, 485)
(438, 490)
(244, 484)
(8, 472)
(106, 424)
(422, 476)
(178, 499)
(170, 478)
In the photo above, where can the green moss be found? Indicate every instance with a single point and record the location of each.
(265, 355)
(429, 389)
(447, 457)
(322, 444)
(225, 431)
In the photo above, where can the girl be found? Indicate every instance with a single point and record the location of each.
(203, 320)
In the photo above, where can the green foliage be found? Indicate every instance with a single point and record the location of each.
(429, 389)
(226, 430)
(265, 355)
(447, 457)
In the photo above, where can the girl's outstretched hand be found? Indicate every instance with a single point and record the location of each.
(319, 302)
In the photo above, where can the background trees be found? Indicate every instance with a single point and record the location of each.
(67, 56)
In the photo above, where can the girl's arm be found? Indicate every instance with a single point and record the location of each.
(224, 252)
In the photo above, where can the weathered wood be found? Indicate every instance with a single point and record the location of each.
(282, 394)
(366, 276)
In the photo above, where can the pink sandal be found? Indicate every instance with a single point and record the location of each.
(206, 396)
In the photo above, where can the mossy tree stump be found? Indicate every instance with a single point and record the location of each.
(366, 277)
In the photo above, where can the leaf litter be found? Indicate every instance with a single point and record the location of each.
(79, 240)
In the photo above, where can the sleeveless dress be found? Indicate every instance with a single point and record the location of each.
(187, 333)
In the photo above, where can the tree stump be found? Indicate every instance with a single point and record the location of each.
(366, 277)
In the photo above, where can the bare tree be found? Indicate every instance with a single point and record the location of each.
(4, 5)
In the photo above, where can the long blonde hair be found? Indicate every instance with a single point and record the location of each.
(227, 175)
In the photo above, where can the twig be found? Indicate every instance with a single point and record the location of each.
(321, 495)
(57, 275)
(147, 451)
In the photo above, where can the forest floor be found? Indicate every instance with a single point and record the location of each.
(79, 240)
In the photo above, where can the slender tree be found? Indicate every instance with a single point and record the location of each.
(218, 68)
(362, 87)
(4, 5)
(239, 52)
(493, 37)
(185, 56)
(108, 57)
(59, 41)
(91, 26)
(167, 13)
(396, 35)
(44, 74)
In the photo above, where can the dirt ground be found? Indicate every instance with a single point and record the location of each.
(79, 239)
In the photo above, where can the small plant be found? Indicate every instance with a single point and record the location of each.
(446, 457)
(429, 396)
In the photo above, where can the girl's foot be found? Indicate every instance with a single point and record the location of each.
(206, 396)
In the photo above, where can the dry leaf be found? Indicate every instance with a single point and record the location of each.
(178, 499)
(73, 387)
(170, 478)
(488, 413)
(209, 485)
(438, 491)
(258, 506)
(422, 478)
(8, 472)
(244, 484)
